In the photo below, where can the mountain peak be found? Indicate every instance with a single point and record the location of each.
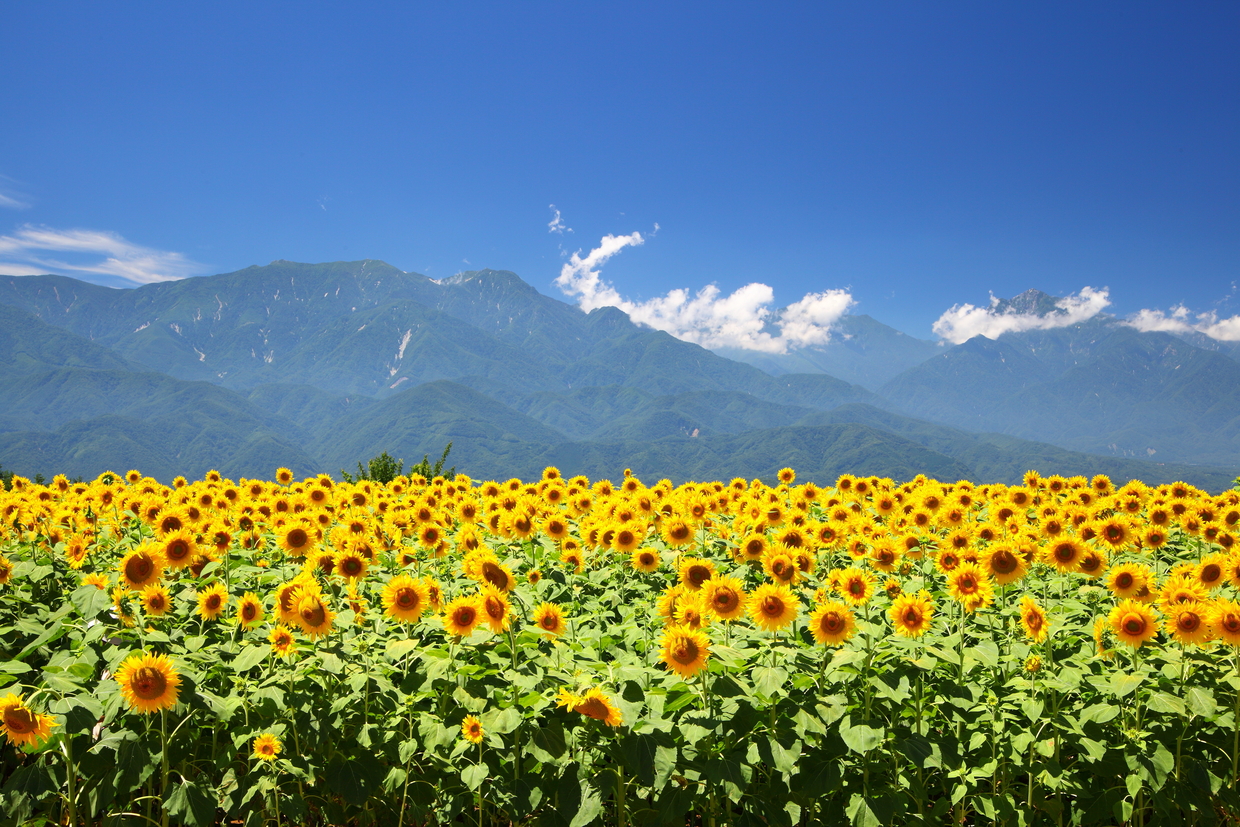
(1029, 303)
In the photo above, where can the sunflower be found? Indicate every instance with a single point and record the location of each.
(497, 574)
(288, 595)
(282, 641)
(1213, 570)
(99, 581)
(148, 683)
(676, 532)
(753, 546)
(212, 601)
(314, 616)
(496, 610)
(832, 623)
(179, 549)
(684, 651)
(250, 610)
(142, 566)
(1133, 622)
(970, 587)
(1188, 623)
(1129, 580)
(549, 618)
(266, 747)
(352, 565)
(571, 557)
(595, 704)
(1182, 587)
(691, 612)
(155, 599)
(779, 565)
(405, 598)
(6, 569)
(724, 597)
(1116, 532)
(787, 476)
(462, 615)
(296, 539)
(22, 725)
(772, 606)
(644, 559)
(946, 560)
(856, 585)
(1225, 621)
(471, 729)
(1033, 618)
(1064, 554)
(694, 572)
(911, 613)
(284, 476)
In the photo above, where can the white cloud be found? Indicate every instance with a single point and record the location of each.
(10, 199)
(557, 225)
(34, 249)
(1181, 320)
(964, 321)
(708, 318)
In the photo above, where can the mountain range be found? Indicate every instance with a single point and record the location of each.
(317, 366)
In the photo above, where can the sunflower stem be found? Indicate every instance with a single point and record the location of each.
(163, 766)
(70, 769)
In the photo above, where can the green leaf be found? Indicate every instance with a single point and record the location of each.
(192, 804)
(398, 648)
(986, 652)
(250, 657)
(354, 779)
(1200, 702)
(1123, 684)
(1165, 703)
(90, 601)
(860, 738)
(16, 667)
(474, 775)
(769, 680)
(860, 813)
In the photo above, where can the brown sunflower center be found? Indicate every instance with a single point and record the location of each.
(1003, 562)
(148, 683)
(1125, 580)
(1188, 622)
(1133, 624)
(406, 598)
(496, 576)
(685, 651)
(772, 606)
(297, 538)
(832, 623)
(313, 614)
(20, 720)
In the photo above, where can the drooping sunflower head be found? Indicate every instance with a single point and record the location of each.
(1033, 619)
(250, 610)
(314, 616)
(684, 651)
(832, 623)
(773, 606)
(496, 610)
(22, 725)
(148, 682)
(597, 705)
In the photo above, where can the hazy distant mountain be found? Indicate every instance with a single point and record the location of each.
(317, 366)
(862, 350)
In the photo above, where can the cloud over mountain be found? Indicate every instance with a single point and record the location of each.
(964, 321)
(1181, 320)
(33, 250)
(742, 319)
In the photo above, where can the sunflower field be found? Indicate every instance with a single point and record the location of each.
(561, 652)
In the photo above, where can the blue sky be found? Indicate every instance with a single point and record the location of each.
(899, 158)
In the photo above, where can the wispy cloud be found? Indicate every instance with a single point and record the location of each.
(10, 197)
(1181, 320)
(964, 321)
(556, 224)
(34, 250)
(742, 319)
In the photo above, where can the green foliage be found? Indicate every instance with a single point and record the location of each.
(382, 469)
(426, 471)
